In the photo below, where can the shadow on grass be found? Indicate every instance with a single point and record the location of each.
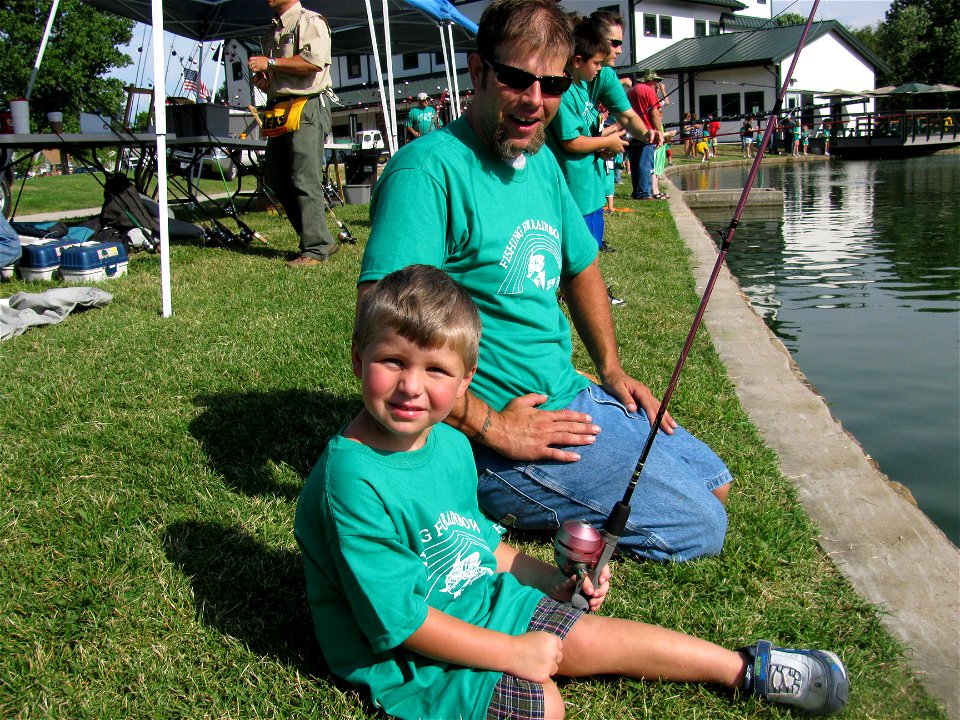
(249, 435)
(247, 590)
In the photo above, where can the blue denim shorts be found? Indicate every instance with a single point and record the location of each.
(674, 514)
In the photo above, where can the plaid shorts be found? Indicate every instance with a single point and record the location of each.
(516, 699)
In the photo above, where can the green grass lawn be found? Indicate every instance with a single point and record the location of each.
(151, 469)
(85, 190)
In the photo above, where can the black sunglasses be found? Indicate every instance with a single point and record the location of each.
(614, 42)
(520, 79)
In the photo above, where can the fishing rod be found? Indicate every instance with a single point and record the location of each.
(578, 547)
(247, 234)
(767, 25)
(93, 163)
(329, 194)
(220, 234)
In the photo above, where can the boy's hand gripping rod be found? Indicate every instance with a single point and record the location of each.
(578, 548)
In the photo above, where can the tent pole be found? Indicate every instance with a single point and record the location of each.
(160, 121)
(218, 59)
(388, 49)
(446, 70)
(453, 66)
(43, 47)
(391, 140)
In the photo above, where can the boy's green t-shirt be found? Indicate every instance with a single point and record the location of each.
(605, 89)
(384, 536)
(577, 116)
(506, 234)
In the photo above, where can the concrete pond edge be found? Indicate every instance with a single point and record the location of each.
(893, 554)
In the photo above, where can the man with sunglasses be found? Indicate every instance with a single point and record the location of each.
(496, 215)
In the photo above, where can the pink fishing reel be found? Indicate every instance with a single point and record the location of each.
(577, 547)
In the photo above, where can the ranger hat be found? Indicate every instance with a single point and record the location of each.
(649, 75)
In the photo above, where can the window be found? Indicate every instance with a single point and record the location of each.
(714, 28)
(649, 25)
(353, 66)
(730, 104)
(666, 26)
(753, 102)
(411, 61)
(699, 28)
(708, 104)
(438, 57)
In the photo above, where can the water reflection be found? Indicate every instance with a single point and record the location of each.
(860, 279)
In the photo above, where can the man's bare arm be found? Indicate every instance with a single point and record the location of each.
(295, 65)
(638, 129)
(586, 295)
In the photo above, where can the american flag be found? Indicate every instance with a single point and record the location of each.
(204, 91)
(190, 77)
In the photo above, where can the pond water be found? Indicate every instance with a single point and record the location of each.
(860, 279)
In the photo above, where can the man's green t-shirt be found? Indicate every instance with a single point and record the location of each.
(423, 119)
(384, 536)
(576, 117)
(507, 234)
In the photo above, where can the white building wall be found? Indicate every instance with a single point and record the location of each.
(828, 64)
(757, 8)
(716, 83)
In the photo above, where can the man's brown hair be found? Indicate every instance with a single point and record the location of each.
(532, 25)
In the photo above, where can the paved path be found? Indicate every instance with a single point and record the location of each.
(890, 551)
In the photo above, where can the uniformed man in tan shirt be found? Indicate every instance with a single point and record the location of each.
(296, 63)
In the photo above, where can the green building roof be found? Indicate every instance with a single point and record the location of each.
(730, 20)
(739, 49)
(732, 4)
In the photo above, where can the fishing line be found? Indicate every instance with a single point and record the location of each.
(578, 546)
(768, 25)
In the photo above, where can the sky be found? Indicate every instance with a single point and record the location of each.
(852, 13)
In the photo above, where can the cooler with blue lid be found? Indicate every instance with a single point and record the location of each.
(92, 262)
(39, 261)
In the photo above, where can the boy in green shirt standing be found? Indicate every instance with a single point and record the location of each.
(413, 594)
(574, 134)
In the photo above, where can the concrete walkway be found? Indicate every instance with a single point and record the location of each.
(890, 551)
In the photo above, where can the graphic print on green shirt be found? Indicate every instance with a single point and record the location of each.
(386, 535)
(509, 235)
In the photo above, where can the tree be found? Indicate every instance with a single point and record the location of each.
(869, 37)
(81, 50)
(920, 41)
(790, 18)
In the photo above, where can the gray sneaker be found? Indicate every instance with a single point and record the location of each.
(812, 680)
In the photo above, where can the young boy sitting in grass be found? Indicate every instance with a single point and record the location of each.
(575, 137)
(414, 596)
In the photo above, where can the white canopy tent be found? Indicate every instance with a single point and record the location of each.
(354, 29)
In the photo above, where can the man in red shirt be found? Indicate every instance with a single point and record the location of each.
(714, 127)
(645, 102)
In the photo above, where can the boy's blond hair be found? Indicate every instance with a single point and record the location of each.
(424, 305)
